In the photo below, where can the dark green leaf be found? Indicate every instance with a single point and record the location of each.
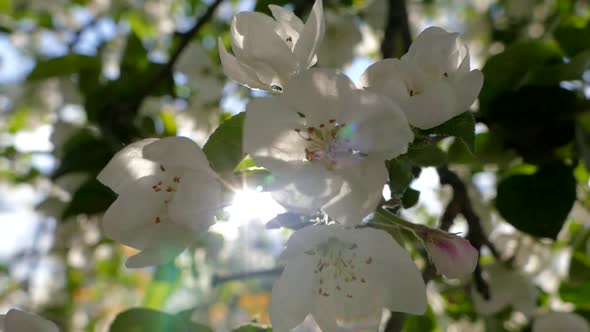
(252, 328)
(573, 35)
(91, 198)
(507, 71)
(63, 66)
(224, 147)
(148, 320)
(578, 294)
(462, 126)
(539, 203)
(400, 175)
(424, 154)
(410, 198)
(84, 152)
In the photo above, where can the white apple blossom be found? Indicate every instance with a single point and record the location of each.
(560, 321)
(326, 141)
(204, 78)
(452, 255)
(168, 196)
(340, 275)
(20, 321)
(269, 52)
(507, 289)
(432, 82)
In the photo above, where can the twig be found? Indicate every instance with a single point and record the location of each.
(216, 280)
(460, 203)
(185, 39)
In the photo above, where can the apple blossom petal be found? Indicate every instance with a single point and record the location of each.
(177, 152)
(432, 49)
(196, 202)
(237, 71)
(269, 131)
(401, 291)
(311, 37)
(560, 321)
(290, 24)
(387, 77)
(127, 165)
(308, 186)
(134, 213)
(319, 94)
(467, 89)
(165, 244)
(361, 193)
(433, 107)
(376, 126)
(255, 41)
(292, 294)
(20, 321)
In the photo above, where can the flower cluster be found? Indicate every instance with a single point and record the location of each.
(325, 139)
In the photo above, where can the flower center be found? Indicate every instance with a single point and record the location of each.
(167, 185)
(329, 144)
(338, 266)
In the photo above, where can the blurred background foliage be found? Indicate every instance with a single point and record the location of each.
(80, 79)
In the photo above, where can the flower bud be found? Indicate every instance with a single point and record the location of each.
(452, 255)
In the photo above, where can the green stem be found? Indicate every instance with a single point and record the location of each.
(397, 220)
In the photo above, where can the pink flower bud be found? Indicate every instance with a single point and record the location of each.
(452, 255)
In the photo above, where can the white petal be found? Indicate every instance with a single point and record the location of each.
(164, 245)
(433, 107)
(376, 126)
(131, 218)
(292, 294)
(319, 94)
(305, 238)
(311, 38)
(432, 49)
(196, 202)
(361, 193)
(177, 152)
(560, 321)
(255, 41)
(237, 71)
(393, 272)
(127, 165)
(269, 131)
(308, 185)
(20, 321)
(290, 26)
(467, 89)
(388, 77)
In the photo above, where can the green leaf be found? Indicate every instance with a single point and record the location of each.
(63, 66)
(91, 198)
(583, 144)
(400, 175)
(410, 198)
(507, 71)
(462, 126)
(252, 328)
(425, 154)
(578, 294)
(224, 147)
(84, 152)
(553, 74)
(533, 117)
(165, 280)
(149, 320)
(539, 203)
(573, 35)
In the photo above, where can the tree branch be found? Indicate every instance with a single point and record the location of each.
(397, 37)
(185, 39)
(216, 280)
(461, 204)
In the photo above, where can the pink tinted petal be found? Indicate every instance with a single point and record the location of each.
(453, 256)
